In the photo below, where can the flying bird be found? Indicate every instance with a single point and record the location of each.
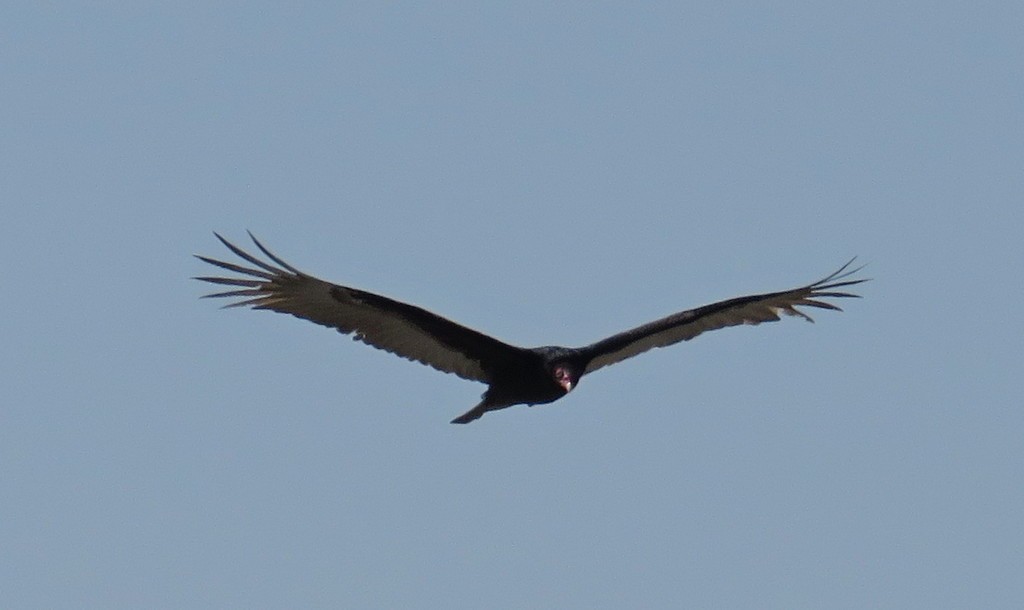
(514, 375)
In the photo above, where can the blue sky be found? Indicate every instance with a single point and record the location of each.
(549, 174)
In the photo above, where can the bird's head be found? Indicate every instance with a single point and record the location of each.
(565, 376)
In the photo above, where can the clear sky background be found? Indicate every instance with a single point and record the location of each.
(549, 173)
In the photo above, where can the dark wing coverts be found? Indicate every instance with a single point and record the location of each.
(686, 325)
(405, 330)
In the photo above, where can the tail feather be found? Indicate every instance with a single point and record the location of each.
(473, 414)
(489, 403)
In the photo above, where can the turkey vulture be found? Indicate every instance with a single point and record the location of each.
(514, 375)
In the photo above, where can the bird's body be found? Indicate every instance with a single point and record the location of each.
(514, 375)
(545, 375)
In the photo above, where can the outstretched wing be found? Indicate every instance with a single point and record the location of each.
(686, 325)
(402, 329)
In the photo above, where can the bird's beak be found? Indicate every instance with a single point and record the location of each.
(566, 383)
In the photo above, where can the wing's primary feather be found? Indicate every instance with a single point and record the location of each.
(753, 309)
(402, 329)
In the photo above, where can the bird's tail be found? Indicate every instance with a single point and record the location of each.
(473, 414)
(489, 403)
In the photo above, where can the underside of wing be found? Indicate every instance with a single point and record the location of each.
(402, 329)
(753, 309)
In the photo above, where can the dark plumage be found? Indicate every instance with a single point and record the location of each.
(514, 375)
